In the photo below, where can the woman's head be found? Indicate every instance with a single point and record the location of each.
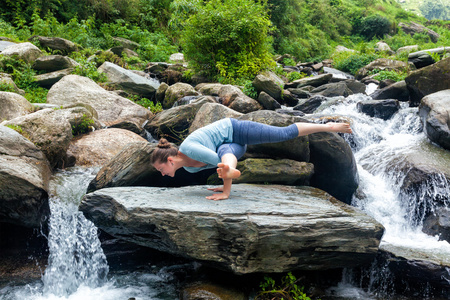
(162, 157)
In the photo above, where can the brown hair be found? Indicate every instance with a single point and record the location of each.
(163, 151)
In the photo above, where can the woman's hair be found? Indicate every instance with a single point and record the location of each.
(163, 151)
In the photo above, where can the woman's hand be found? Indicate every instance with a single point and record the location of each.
(215, 197)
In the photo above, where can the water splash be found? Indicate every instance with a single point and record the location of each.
(383, 151)
(76, 257)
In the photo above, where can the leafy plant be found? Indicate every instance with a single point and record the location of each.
(288, 290)
(82, 125)
(392, 75)
(250, 90)
(16, 128)
(352, 62)
(291, 76)
(375, 26)
(228, 39)
(147, 103)
(435, 56)
(6, 87)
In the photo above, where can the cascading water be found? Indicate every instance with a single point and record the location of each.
(76, 256)
(380, 148)
(77, 267)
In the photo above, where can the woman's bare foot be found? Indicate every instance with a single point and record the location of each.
(226, 172)
(340, 127)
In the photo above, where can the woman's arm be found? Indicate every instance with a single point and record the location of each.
(227, 171)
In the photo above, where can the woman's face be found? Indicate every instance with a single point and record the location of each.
(166, 168)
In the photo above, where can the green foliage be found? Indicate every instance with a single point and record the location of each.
(288, 61)
(147, 103)
(16, 128)
(374, 26)
(88, 68)
(250, 90)
(351, 62)
(433, 9)
(6, 87)
(392, 75)
(228, 39)
(23, 76)
(82, 125)
(287, 290)
(292, 76)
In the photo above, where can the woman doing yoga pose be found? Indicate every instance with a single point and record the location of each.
(220, 145)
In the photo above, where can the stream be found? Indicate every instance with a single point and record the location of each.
(78, 268)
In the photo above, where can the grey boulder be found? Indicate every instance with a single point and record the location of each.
(259, 229)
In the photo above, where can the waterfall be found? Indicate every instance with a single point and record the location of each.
(76, 256)
(380, 149)
(77, 267)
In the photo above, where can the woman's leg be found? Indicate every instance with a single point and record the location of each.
(251, 133)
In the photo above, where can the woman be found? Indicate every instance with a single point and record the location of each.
(220, 145)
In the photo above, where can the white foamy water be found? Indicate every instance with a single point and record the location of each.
(381, 148)
(77, 267)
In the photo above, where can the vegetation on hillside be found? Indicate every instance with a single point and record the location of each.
(228, 40)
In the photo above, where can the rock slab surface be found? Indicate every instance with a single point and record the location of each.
(259, 229)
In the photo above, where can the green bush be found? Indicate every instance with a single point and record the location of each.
(23, 76)
(82, 125)
(374, 26)
(287, 290)
(352, 62)
(292, 76)
(228, 39)
(392, 75)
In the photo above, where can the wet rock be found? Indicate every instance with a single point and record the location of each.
(428, 80)
(314, 81)
(438, 224)
(210, 291)
(383, 109)
(434, 110)
(270, 84)
(333, 90)
(111, 108)
(24, 178)
(335, 169)
(423, 58)
(259, 229)
(267, 101)
(308, 106)
(407, 268)
(177, 91)
(397, 91)
(245, 105)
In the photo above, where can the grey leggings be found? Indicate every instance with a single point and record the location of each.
(252, 133)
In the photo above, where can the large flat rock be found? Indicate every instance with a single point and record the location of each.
(261, 228)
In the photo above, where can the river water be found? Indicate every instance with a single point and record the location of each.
(78, 270)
